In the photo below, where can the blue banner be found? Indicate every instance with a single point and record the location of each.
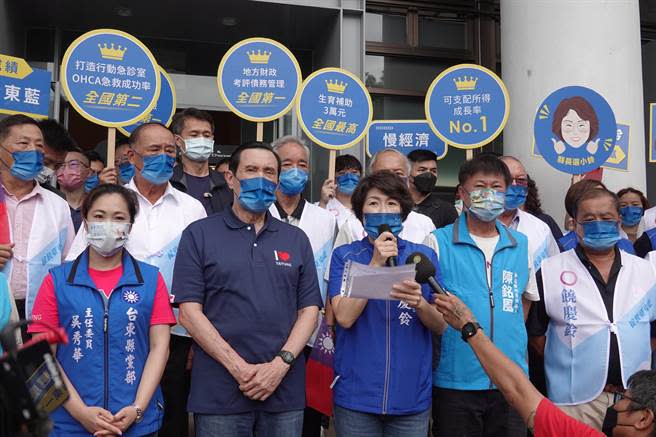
(259, 79)
(575, 130)
(467, 106)
(162, 111)
(619, 159)
(334, 108)
(110, 77)
(23, 90)
(404, 136)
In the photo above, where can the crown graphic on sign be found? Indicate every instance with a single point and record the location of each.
(114, 53)
(336, 87)
(260, 57)
(466, 84)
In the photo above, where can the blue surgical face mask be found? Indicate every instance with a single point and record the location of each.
(91, 182)
(126, 172)
(198, 148)
(293, 180)
(347, 182)
(487, 203)
(515, 196)
(631, 215)
(256, 194)
(600, 234)
(372, 220)
(27, 164)
(157, 169)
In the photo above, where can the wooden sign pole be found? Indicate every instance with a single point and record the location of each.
(469, 154)
(111, 146)
(331, 164)
(259, 136)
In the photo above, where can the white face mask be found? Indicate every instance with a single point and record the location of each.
(46, 176)
(107, 238)
(199, 148)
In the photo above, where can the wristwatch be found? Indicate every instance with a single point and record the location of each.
(469, 330)
(140, 413)
(286, 356)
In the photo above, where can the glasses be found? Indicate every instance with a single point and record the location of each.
(523, 181)
(73, 165)
(618, 396)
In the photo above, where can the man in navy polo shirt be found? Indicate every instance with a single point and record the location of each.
(249, 296)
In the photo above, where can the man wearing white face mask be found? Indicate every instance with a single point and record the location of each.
(194, 131)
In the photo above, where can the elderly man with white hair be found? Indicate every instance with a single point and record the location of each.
(415, 228)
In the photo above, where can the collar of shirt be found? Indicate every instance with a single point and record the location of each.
(514, 223)
(37, 190)
(170, 191)
(614, 269)
(297, 213)
(233, 222)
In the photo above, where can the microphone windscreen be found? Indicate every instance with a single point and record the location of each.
(423, 266)
(384, 228)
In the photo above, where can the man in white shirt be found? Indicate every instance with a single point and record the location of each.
(164, 213)
(415, 228)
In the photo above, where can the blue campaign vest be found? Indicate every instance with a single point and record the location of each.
(462, 265)
(570, 240)
(104, 365)
(383, 362)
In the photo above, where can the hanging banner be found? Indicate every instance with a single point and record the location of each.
(404, 136)
(334, 108)
(23, 90)
(259, 79)
(619, 159)
(575, 130)
(163, 110)
(467, 106)
(110, 77)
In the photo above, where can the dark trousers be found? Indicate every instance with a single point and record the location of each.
(175, 388)
(312, 419)
(20, 306)
(474, 413)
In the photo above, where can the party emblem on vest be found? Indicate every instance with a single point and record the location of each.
(131, 296)
(282, 258)
(568, 277)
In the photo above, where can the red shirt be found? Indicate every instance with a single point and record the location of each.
(551, 421)
(45, 304)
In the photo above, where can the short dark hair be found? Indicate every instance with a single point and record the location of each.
(56, 136)
(14, 120)
(421, 156)
(594, 194)
(81, 152)
(643, 390)
(134, 137)
(347, 162)
(92, 155)
(177, 124)
(575, 191)
(236, 155)
(643, 199)
(387, 182)
(104, 189)
(485, 163)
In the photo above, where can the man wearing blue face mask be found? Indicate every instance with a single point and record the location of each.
(41, 229)
(336, 195)
(487, 266)
(164, 212)
(596, 308)
(317, 223)
(541, 243)
(194, 131)
(248, 293)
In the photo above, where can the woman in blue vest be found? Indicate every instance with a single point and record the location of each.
(383, 354)
(116, 313)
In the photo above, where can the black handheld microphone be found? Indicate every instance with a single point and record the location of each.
(391, 261)
(425, 271)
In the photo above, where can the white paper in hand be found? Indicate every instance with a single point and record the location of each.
(368, 282)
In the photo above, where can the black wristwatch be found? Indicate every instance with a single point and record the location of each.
(469, 330)
(286, 356)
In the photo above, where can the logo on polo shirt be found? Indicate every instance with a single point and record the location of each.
(282, 258)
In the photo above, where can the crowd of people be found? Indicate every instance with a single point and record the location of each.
(190, 289)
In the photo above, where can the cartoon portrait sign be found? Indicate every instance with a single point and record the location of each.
(575, 130)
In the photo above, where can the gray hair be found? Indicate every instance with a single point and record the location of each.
(277, 144)
(401, 155)
(643, 389)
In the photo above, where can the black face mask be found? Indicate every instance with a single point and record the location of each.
(425, 182)
(610, 421)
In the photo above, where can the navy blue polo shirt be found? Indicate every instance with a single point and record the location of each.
(251, 287)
